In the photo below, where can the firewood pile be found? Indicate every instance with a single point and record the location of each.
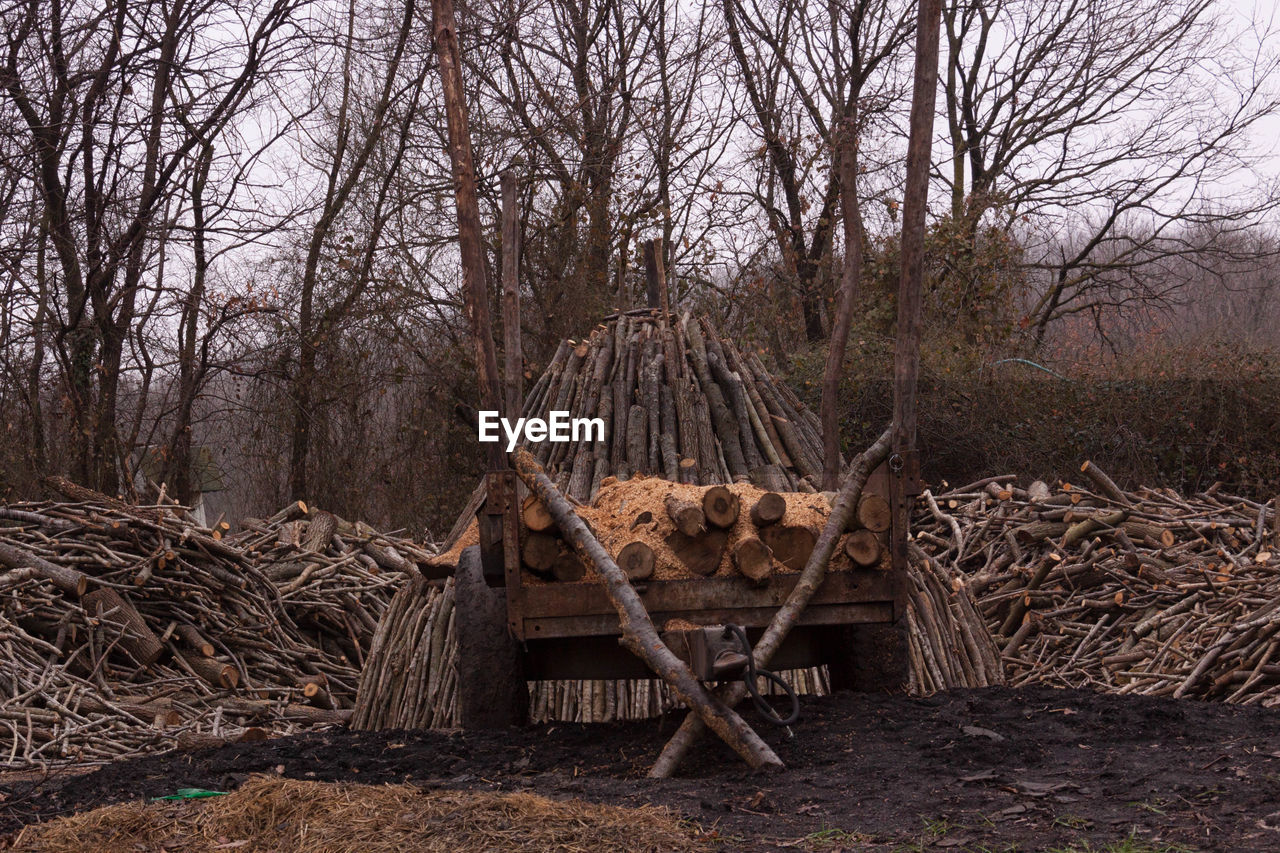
(678, 401)
(1145, 592)
(126, 629)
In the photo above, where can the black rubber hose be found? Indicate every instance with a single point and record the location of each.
(762, 707)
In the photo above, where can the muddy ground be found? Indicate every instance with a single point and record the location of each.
(991, 769)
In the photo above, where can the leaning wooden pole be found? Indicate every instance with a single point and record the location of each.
(474, 292)
(789, 614)
(638, 633)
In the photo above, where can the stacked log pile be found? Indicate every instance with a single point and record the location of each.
(127, 629)
(659, 530)
(677, 401)
(1145, 592)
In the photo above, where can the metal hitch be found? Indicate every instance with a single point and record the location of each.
(712, 652)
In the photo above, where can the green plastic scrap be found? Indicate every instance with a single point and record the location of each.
(191, 794)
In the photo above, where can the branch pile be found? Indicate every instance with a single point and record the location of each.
(131, 628)
(1143, 592)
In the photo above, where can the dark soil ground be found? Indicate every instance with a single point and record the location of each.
(993, 769)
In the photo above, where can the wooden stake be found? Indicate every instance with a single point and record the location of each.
(512, 359)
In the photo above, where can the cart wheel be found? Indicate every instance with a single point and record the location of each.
(492, 693)
(868, 658)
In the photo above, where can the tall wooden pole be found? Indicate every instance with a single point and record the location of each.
(914, 205)
(513, 363)
(474, 291)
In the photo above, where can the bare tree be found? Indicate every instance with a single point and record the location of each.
(112, 99)
(1115, 121)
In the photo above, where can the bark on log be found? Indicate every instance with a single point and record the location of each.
(1103, 483)
(726, 426)
(686, 515)
(66, 579)
(136, 638)
(638, 632)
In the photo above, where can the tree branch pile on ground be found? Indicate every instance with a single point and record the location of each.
(132, 628)
(1146, 592)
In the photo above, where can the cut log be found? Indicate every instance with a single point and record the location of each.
(636, 559)
(196, 641)
(568, 567)
(791, 546)
(720, 506)
(64, 578)
(540, 551)
(863, 547)
(218, 675)
(753, 559)
(535, 515)
(874, 513)
(136, 638)
(769, 509)
(320, 530)
(1104, 484)
(700, 554)
(687, 516)
(1141, 531)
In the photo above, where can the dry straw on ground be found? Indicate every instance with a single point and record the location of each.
(287, 815)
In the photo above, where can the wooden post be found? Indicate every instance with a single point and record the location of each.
(914, 206)
(656, 280)
(474, 291)
(638, 633)
(846, 298)
(513, 362)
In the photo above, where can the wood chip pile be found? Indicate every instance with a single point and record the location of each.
(1145, 592)
(128, 629)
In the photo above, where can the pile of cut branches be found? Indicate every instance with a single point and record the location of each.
(1145, 592)
(132, 628)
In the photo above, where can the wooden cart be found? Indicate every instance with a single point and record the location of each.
(510, 632)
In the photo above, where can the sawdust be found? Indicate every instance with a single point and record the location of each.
(292, 816)
(635, 510)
